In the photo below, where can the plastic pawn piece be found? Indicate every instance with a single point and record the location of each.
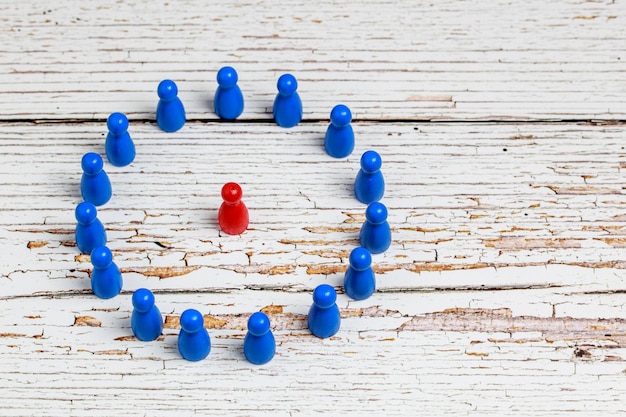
(194, 343)
(95, 185)
(146, 320)
(287, 108)
(369, 185)
(119, 147)
(339, 139)
(324, 319)
(90, 232)
(106, 278)
(259, 345)
(233, 216)
(170, 112)
(359, 282)
(228, 101)
(375, 235)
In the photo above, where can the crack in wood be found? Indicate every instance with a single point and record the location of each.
(500, 320)
(89, 321)
(162, 272)
(36, 244)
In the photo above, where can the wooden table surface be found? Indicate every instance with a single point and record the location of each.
(501, 125)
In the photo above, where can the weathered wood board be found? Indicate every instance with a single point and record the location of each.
(501, 128)
(505, 282)
(395, 60)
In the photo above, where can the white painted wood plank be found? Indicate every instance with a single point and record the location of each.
(88, 362)
(546, 195)
(502, 294)
(402, 60)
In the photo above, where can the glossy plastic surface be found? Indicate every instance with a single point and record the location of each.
(95, 185)
(259, 345)
(146, 320)
(324, 319)
(228, 101)
(170, 112)
(106, 278)
(194, 343)
(119, 147)
(233, 216)
(287, 108)
(339, 139)
(359, 281)
(369, 185)
(90, 232)
(375, 233)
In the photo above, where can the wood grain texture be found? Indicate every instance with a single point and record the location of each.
(97, 368)
(400, 60)
(501, 128)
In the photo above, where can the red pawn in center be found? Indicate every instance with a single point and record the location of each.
(233, 215)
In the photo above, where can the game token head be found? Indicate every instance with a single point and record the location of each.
(85, 213)
(258, 323)
(376, 213)
(287, 84)
(167, 90)
(191, 321)
(227, 77)
(360, 259)
(92, 163)
(143, 300)
(340, 115)
(117, 123)
(231, 192)
(101, 257)
(371, 161)
(324, 296)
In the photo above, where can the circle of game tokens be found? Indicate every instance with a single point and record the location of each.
(324, 296)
